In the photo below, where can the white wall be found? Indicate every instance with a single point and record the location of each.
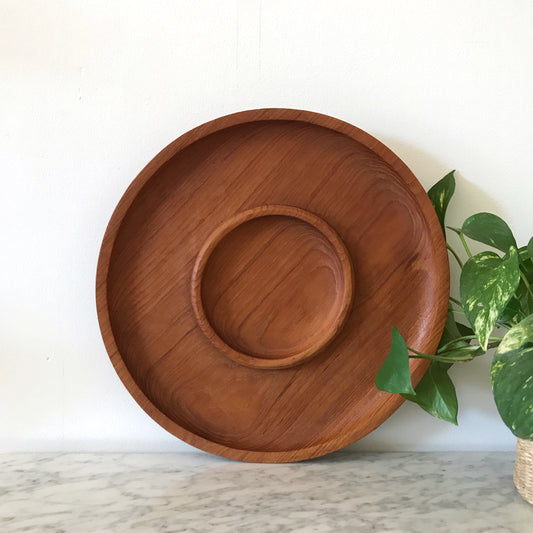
(90, 91)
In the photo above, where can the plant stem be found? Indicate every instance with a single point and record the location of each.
(462, 237)
(526, 283)
(458, 312)
(503, 325)
(444, 359)
(455, 301)
(457, 358)
(464, 338)
(454, 253)
(493, 345)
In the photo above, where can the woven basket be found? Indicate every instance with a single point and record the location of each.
(523, 470)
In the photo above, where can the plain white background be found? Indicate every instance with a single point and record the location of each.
(90, 91)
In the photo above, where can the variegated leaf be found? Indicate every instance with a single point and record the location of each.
(486, 286)
(440, 195)
(512, 379)
(489, 229)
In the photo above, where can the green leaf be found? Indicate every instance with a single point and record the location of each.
(523, 293)
(464, 330)
(524, 298)
(487, 284)
(440, 195)
(450, 340)
(512, 379)
(530, 248)
(526, 262)
(512, 314)
(489, 229)
(451, 331)
(394, 375)
(436, 393)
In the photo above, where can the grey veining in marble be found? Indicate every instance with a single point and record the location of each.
(353, 492)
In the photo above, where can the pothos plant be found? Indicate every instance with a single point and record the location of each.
(495, 310)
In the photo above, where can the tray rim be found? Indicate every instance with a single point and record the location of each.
(127, 199)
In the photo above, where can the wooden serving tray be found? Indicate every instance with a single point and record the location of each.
(249, 278)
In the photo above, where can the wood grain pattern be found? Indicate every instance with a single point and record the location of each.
(272, 286)
(190, 295)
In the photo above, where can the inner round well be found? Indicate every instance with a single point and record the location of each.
(274, 286)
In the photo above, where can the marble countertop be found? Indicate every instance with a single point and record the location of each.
(353, 492)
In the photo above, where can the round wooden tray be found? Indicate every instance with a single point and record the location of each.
(249, 278)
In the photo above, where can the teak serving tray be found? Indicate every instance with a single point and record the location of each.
(249, 278)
